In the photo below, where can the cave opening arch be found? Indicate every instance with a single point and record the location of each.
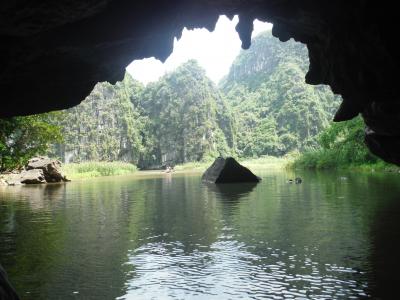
(54, 54)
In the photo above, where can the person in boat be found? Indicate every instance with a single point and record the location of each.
(297, 180)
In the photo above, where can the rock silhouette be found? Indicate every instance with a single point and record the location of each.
(228, 170)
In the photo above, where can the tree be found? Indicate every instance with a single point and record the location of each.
(21, 138)
(346, 140)
(341, 144)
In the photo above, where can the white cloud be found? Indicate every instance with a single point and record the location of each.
(215, 51)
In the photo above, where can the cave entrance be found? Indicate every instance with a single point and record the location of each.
(209, 98)
(215, 51)
(189, 110)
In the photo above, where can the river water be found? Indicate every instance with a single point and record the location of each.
(163, 236)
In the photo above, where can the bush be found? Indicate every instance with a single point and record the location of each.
(341, 146)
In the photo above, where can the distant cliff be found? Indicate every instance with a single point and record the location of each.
(276, 111)
(180, 118)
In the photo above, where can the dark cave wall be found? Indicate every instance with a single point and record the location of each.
(52, 53)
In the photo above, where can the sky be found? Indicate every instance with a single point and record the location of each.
(215, 51)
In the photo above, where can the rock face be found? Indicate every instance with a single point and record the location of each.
(33, 176)
(228, 170)
(50, 168)
(352, 48)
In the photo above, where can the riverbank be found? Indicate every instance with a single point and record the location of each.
(86, 170)
(263, 162)
(325, 160)
(96, 169)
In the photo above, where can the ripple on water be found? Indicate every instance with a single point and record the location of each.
(163, 270)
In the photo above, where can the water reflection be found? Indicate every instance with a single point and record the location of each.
(172, 237)
(231, 192)
(229, 195)
(229, 270)
(38, 197)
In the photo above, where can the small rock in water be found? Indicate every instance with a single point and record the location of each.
(51, 168)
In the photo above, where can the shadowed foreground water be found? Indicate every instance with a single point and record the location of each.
(335, 236)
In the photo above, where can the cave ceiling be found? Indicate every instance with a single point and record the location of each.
(52, 53)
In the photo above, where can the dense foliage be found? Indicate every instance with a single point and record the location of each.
(189, 119)
(341, 144)
(180, 118)
(21, 138)
(277, 112)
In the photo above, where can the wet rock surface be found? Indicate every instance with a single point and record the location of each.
(352, 48)
(228, 170)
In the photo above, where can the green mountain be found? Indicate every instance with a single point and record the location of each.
(188, 118)
(275, 110)
(106, 126)
(262, 107)
(180, 118)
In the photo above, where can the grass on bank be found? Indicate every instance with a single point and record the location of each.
(97, 169)
(334, 159)
(319, 159)
(262, 162)
(193, 166)
(341, 146)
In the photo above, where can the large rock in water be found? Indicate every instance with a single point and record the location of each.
(228, 170)
(51, 168)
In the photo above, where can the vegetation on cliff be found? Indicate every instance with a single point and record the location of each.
(278, 112)
(106, 126)
(180, 118)
(188, 118)
(262, 107)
